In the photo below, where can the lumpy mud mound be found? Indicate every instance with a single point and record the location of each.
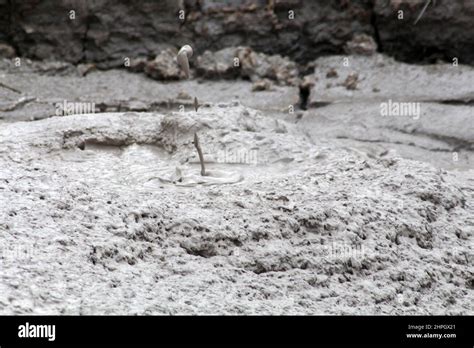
(86, 228)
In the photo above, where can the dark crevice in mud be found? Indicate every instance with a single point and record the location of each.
(456, 143)
(84, 44)
(305, 91)
(373, 23)
(84, 38)
(109, 142)
(319, 104)
(205, 251)
(454, 102)
(123, 106)
(259, 268)
(9, 34)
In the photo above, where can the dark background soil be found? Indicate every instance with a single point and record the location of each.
(104, 32)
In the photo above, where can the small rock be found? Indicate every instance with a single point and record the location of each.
(332, 73)
(138, 64)
(294, 224)
(308, 82)
(351, 81)
(183, 95)
(138, 105)
(231, 62)
(84, 69)
(53, 68)
(258, 65)
(239, 204)
(164, 66)
(362, 44)
(218, 64)
(7, 51)
(262, 85)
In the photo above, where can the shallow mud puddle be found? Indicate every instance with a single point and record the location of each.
(146, 167)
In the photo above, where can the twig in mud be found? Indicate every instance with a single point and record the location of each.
(423, 10)
(19, 103)
(201, 157)
(10, 88)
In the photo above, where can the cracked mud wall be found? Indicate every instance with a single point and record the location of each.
(104, 32)
(445, 30)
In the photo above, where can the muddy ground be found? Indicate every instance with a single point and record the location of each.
(315, 202)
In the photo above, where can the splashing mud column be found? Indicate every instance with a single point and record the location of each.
(207, 177)
(184, 54)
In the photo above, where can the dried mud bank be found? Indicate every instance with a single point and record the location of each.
(39, 87)
(88, 226)
(423, 112)
(378, 78)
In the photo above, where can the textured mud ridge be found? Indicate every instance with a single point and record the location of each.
(86, 228)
